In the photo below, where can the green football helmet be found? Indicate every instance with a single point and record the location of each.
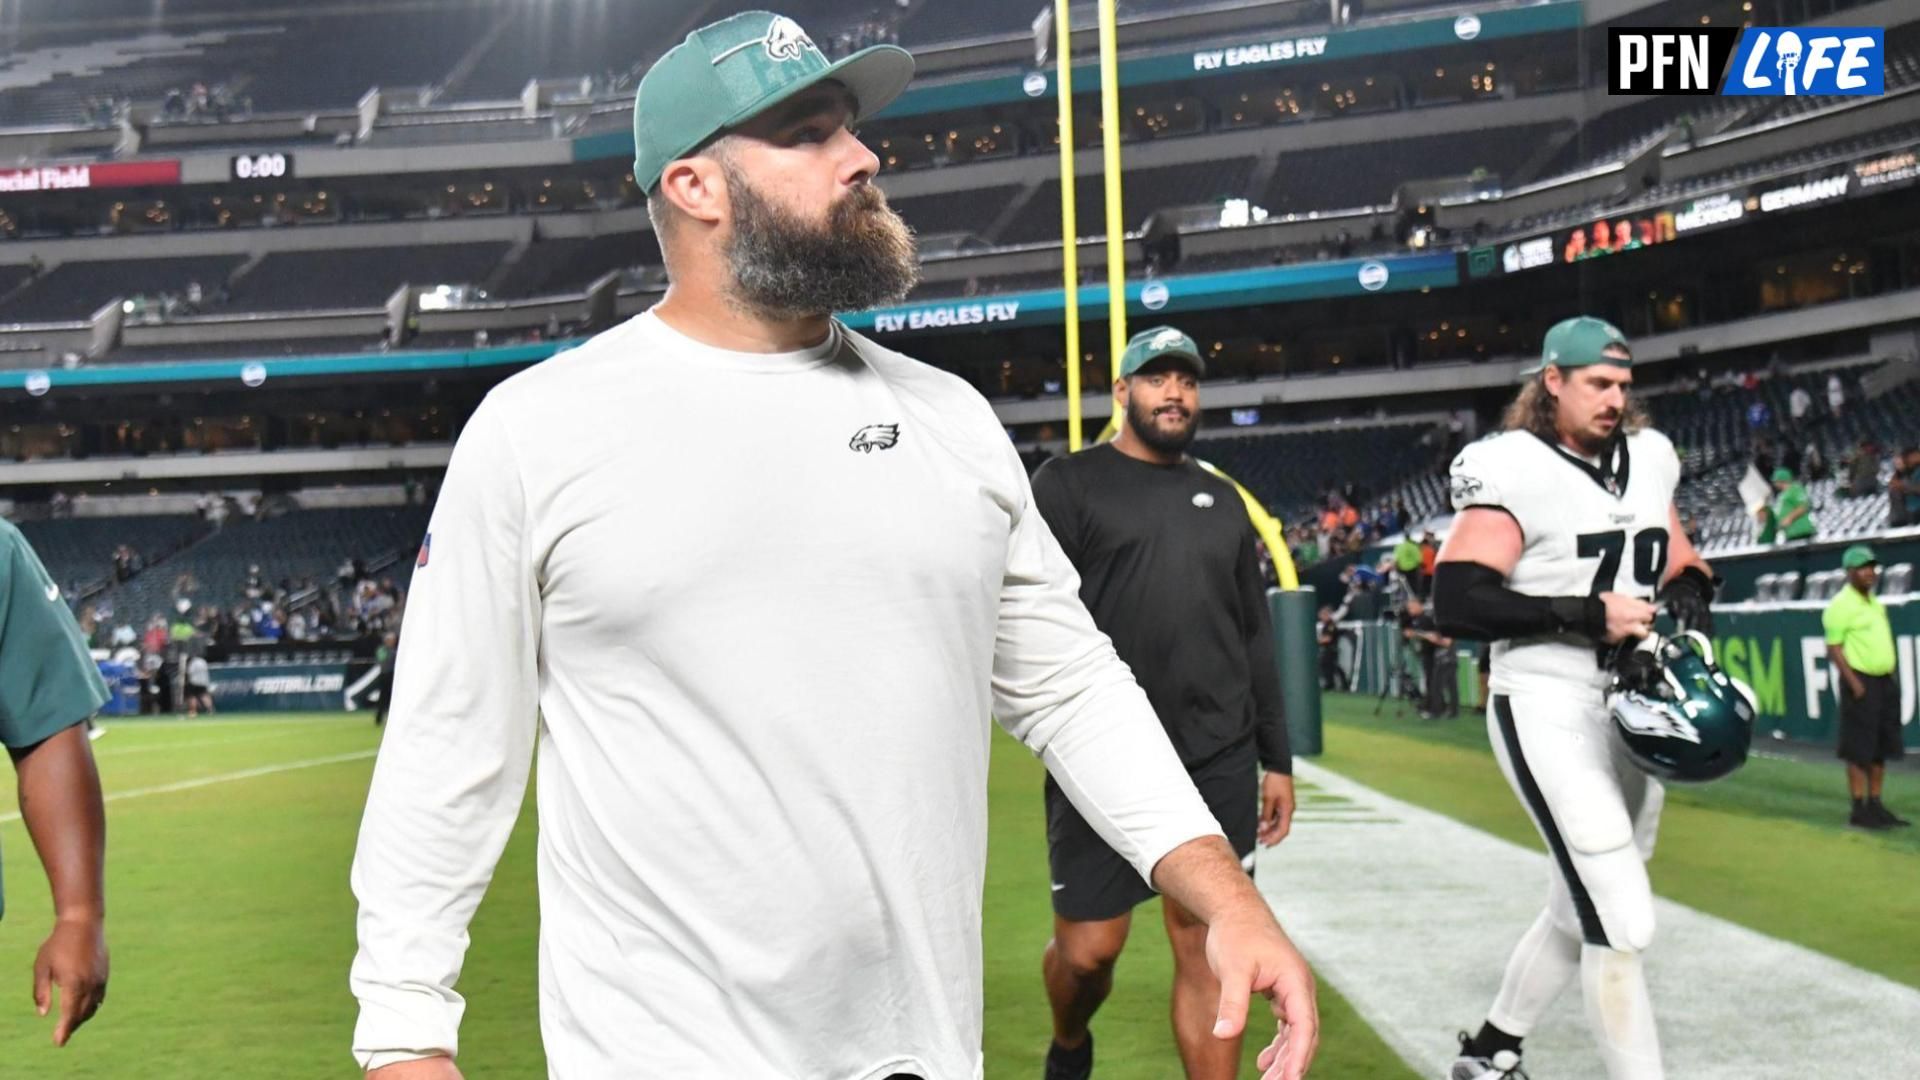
(1679, 716)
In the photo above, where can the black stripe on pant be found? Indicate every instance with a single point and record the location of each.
(1590, 926)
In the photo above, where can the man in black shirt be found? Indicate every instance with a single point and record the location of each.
(1438, 673)
(1169, 570)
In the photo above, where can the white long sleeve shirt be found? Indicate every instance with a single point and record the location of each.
(755, 611)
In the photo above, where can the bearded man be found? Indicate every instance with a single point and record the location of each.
(763, 753)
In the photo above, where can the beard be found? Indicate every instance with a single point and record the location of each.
(862, 257)
(1140, 420)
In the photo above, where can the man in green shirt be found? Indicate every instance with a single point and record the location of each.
(49, 690)
(1860, 641)
(1407, 560)
(1792, 510)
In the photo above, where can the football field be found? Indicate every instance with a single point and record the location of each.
(231, 923)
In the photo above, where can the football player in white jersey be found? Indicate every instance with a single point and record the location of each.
(1566, 537)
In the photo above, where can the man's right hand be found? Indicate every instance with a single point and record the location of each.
(1627, 617)
(1858, 688)
(433, 1068)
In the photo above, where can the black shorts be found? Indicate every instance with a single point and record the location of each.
(1870, 725)
(1092, 882)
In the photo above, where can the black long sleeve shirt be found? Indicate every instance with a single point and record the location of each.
(1169, 571)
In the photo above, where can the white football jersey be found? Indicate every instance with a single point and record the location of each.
(1588, 529)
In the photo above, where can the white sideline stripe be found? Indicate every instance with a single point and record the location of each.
(225, 778)
(1412, 919)
(118, 750)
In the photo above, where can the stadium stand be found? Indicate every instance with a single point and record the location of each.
(76, 290)
(969, 211)
(79, 552)
(1290, 471)
(1146, 191)
(569, 264)
(301, 546)
(358, 277)
(1339, 177)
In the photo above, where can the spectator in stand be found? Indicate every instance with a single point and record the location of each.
(1836, 395)
(123, 563)
(255, 586)
(1863, 470)
(1903, 490)
(1759, 417)
(155, 638)
(1407, 560)
(124, 636)
(1813, 463)
(1791, 516)
(1799, 404)
(1306, 549)
(268, 625)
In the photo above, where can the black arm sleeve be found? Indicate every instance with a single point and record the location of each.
(1471, 600)
(1269, 715)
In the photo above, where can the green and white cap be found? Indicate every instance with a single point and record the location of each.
(1581, 342)
(728, 72)
(1149, 345)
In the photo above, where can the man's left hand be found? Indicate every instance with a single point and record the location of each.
(1276, 808)
(1253, 954)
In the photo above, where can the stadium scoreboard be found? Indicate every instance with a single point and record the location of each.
(273, 166)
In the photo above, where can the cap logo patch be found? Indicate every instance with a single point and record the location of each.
(786, 41)
(1165, 339)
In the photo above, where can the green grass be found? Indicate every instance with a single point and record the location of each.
(231, 927)
(1767, 847)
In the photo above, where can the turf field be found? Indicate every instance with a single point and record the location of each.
(231, 923)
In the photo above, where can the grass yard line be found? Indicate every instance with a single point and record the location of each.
(1414, 924)
(153, 723)
(111, 750)
(226, 778)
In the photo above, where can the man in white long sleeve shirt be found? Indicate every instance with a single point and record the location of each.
(763, 755)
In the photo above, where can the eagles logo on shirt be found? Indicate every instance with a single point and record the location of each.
(1465, 487)
(875, 437)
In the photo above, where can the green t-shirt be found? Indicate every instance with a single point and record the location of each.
(1790, 500)
(1406, 556)
(1858, 624)
(48, 680)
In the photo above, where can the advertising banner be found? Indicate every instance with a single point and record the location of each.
(1778, 650)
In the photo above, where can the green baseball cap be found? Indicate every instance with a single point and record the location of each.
(1783, 475)
(1859, 555)
(728, 72)
(1149, 345)
(1579, 342)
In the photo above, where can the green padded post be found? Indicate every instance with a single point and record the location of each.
(1296, 652)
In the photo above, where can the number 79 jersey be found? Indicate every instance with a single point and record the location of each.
(1588, 528)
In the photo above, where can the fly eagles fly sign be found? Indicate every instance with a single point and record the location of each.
(1758, 61)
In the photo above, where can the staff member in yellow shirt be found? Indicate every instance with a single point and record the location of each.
(1860, 641)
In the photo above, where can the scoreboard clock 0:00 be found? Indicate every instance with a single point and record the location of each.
(262, 166)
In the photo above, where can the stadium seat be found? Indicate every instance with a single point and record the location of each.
(1897, 580)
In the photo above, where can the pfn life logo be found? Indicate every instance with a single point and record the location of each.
(1770, 61)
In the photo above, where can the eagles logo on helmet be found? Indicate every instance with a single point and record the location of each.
(1678, 716)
